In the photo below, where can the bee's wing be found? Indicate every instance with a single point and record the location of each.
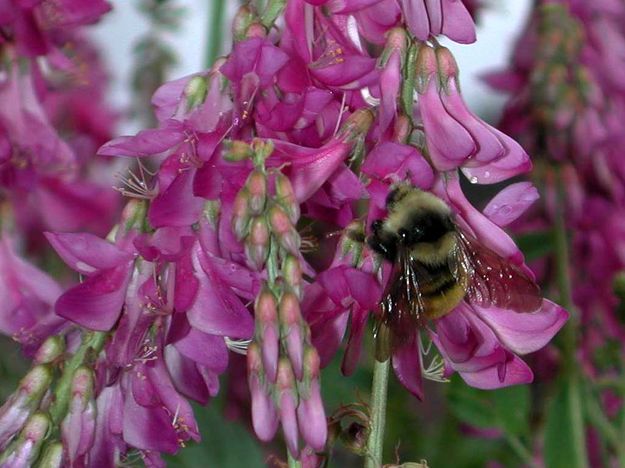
(401, 306)
(492, 280)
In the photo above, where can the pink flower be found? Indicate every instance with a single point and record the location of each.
(456, 137)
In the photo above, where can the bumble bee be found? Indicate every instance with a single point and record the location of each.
(435, 267)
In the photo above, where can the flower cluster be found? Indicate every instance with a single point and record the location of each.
(299, 126)
(568, 109)
(53, 119)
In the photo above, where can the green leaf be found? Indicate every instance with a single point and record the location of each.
(536, 245)
(507, 408)
(224, 443)
(561, 450)
(512, 407)
(470, 405)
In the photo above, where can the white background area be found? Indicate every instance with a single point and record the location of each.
(498, 26)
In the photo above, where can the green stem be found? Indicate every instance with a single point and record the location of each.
(92, 342)
(375, 443)
(293, 463)
(571, 367)
(215, 32)
(611, 435)
(522, 452)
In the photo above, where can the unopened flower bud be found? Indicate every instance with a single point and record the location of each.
(426, 66)
(402, 129)
(312, 366)
(256, 186)
(237, 150)
(286, 197)
(267, 331)
(23, 402)
(447, 66)
(291, 330)
(255, 29)
(52, 456)
(283, 229)
(262, 149)
(257, 243)
(241, 214)
(357, 125)
(50, 350)
(241, 22)
(195, 91)
(287, 404)
(310, 413)
(292, 273)
(264, 414)
(396, 40)
(78, 426)
(27, 446)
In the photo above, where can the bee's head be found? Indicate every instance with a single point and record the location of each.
(424, 226)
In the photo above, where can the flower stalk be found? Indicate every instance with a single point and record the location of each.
(379, 391)
(216, 31)
(91, 346)
(570, 331)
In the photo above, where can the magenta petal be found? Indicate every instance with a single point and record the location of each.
(390, 83)
(515, 372)
(354, 343)
(484, 229)
(435, 16)
(145, 143)
(167, 97)
(514, 162)
(264, 415)
(176, 206)
(396, 162)
(185, 376)
(407, 366)
(148, 428)
(310, 169)
(287, 410)
(311, 418)
(448, 142)
(511, 203)
(525, 333)
(87, 253)
(97, 302)
(458, 24)
(417, 18)
(488, 145)
(217, 310)
(207, 350)
(354, 71)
